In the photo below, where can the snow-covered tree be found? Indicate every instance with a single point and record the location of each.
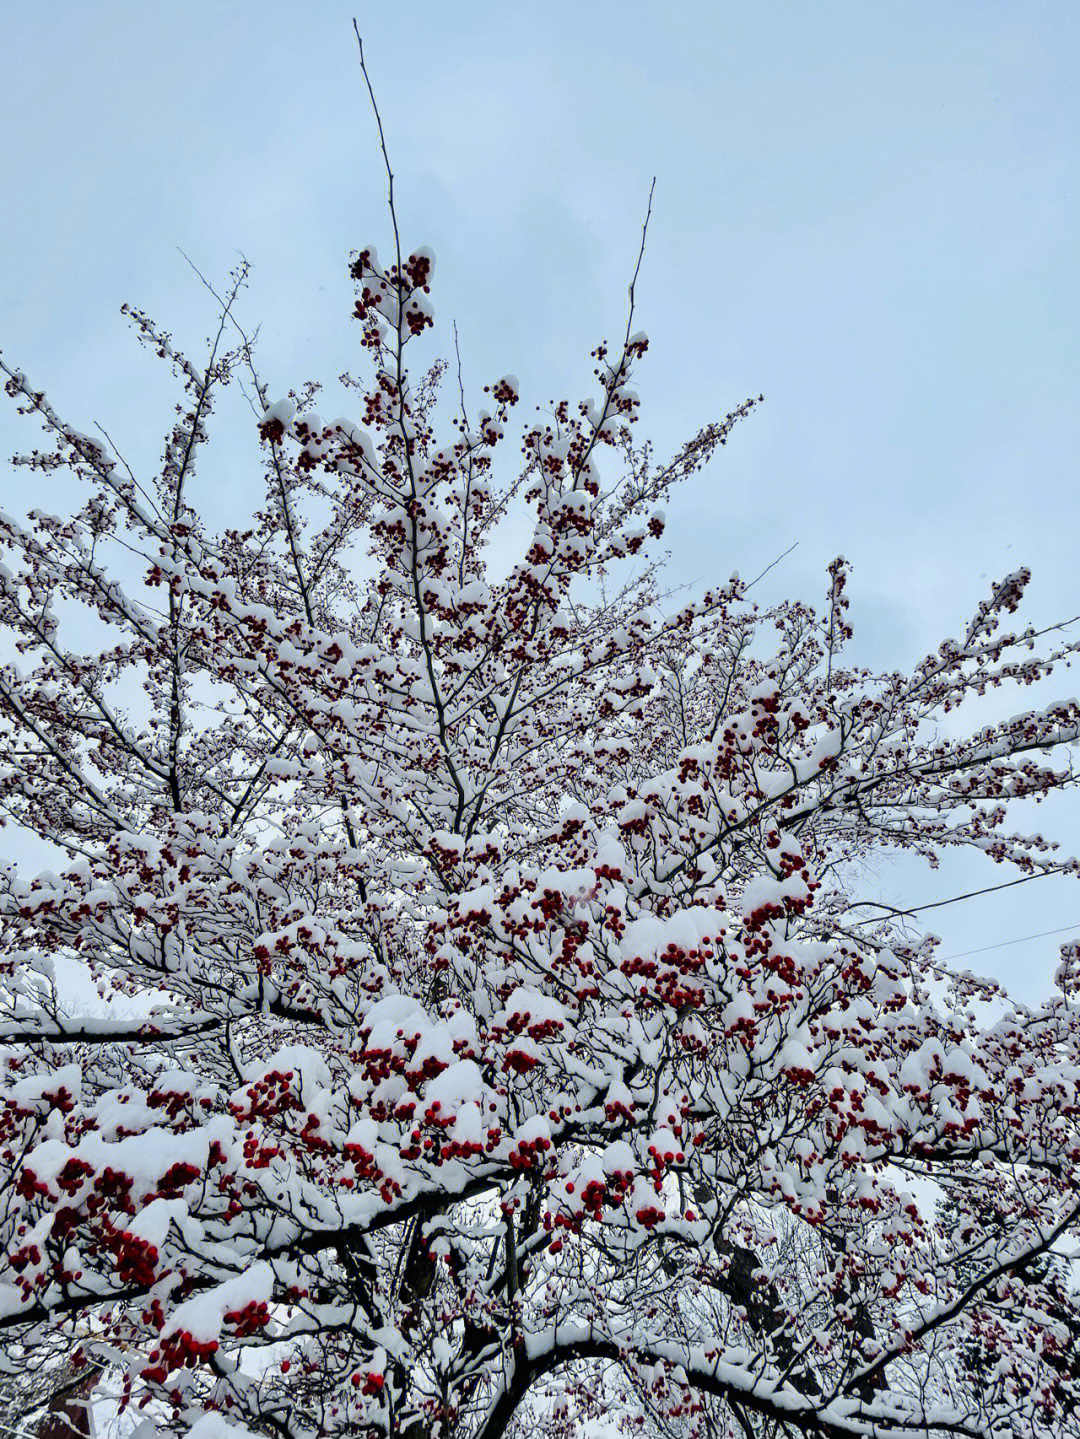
(495, 1041)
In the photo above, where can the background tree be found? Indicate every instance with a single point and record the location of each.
(505, 1042)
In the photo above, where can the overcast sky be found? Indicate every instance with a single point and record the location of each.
(867, 212)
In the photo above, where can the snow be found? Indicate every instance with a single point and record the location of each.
(306, 1064)
(283, 412)
(215, 1426)
(203, 1316)
(458, 1084)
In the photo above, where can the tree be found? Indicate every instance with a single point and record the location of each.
(511, 1048)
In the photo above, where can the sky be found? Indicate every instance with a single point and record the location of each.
(868, 213)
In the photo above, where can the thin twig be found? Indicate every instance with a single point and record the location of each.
(775, 562)
(382, 147)
(641, 256)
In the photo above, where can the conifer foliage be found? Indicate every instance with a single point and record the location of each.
(511, 1050)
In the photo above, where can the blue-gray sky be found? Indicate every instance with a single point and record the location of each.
(868, 212)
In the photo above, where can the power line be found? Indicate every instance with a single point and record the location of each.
(937, 903)
(1003, 944)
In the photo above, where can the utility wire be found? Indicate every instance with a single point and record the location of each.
(1004, 944)
(956, 898)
